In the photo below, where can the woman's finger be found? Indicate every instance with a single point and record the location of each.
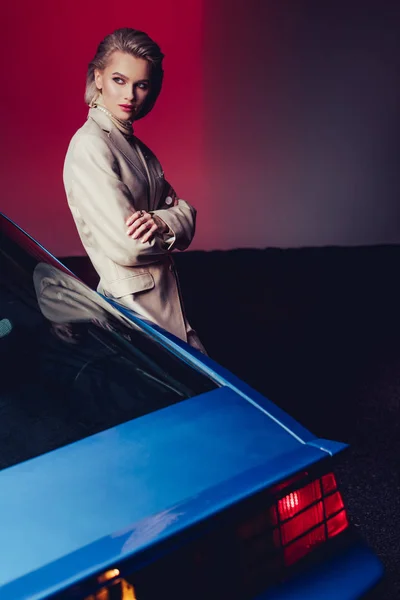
(132, 218)
(138, 223)
(142, 229)
(149, 234)
(139, 214)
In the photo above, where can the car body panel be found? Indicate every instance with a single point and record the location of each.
(66, 499)
(154, 529)
(348, 576)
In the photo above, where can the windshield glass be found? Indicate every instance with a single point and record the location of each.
(71, 364)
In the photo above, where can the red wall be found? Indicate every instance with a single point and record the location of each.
(47, 46)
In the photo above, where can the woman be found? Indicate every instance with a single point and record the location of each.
(127, 215)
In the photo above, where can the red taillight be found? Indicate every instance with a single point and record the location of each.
(333, 504)
(296, 501)
(337, 524)
(307, 517)
(301, 524)
(328, 483)
(243, 551)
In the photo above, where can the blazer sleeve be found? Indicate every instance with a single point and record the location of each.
(181, 220)
(105, 202)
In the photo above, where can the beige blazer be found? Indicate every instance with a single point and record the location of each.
(105, 181)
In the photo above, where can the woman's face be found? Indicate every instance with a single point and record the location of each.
(124, 84)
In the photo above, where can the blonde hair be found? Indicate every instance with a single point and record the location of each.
(133, 42)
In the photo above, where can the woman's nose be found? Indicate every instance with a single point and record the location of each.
(130, 95)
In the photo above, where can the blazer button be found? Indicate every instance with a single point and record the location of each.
(168, 200)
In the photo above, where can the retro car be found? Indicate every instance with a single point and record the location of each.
(134, 467)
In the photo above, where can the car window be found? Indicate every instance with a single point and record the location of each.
(72, 365)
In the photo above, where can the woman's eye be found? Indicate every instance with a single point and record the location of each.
(143, 86)
(118, 80)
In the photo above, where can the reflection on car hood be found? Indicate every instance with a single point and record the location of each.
(62, 298)
(86, 366)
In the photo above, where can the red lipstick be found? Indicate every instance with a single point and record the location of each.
(126, 107)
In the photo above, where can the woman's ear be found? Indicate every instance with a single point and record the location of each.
(98, 78)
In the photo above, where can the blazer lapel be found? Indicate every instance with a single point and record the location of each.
(119, 140)
(155, 175)
(130, 153)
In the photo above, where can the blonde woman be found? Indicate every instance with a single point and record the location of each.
(128, 216)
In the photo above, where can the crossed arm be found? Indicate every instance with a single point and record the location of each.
(108, 208)
(144, 225)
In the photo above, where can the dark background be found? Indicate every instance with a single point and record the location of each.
(317, 331)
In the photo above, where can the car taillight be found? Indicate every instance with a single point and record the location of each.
(241, 551)
(307, 517)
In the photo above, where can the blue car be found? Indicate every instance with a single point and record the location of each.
(132, 467)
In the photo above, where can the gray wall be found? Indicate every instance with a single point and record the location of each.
(302, 129)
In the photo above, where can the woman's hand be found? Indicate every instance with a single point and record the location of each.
(142, 225)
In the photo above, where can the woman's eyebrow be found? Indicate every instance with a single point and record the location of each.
(125, 77)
